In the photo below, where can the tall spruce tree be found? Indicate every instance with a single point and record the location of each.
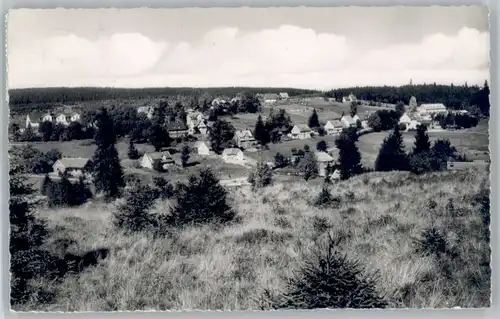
(107, 170)
(422, 143)
(309, 166)
(221, 134)
(349, 162)
(158, 137)
(261, 133)
(354, 109)
(392, 155)
(185, 155)
(313, 119)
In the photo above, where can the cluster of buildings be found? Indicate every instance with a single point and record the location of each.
(334, 126)
(34, 119)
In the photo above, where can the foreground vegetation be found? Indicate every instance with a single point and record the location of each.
(414, 248)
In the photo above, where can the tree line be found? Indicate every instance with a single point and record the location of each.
(453, 96)
(83, 94)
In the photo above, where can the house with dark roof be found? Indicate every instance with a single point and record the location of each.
(74, 166)
(244, 138)
(270, 98)
(34, 119)
(177, 129)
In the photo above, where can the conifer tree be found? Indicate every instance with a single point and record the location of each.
(324, 198)
(354, 109)
(261, 133)
(309, 166)
(107, 170)
(158, 137)
(322, 146)
(313, 119)
(133, 215)
(280, 160)
(422, 143)
(349, 162)
(261, 176)
(221, 134)
(392, 155)
(132, 153)
(202, 200)
(46, 184)
(185, 155)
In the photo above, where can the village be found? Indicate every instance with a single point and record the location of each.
(243, 151)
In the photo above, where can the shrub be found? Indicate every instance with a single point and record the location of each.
(163, 188)
(329, 279)
(261, 176)
(202, 200)
(134, 215)
(325, 199)
(432, 242)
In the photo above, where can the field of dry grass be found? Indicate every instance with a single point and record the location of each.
(231, 267)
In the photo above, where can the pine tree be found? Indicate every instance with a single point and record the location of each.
(46, 185)
(185, 155)
(221, 134)
(261, 176)
(261, 132)
(354, 109)
(392, 155)
(324, 198)
(132, 153)
(28, 260)
(158, 137)
(133, 215)
(202, 200)
(107, 170)
(309, 166)
(313, 119)
(349, 156)
(422, 143)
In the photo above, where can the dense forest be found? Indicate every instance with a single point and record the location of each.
(18, 97)
(453, 96)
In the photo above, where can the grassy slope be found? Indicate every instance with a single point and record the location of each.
(203, 268)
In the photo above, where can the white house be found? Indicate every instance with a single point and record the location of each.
(356, 118)
(432, 108)
(155, 159)
(74, 166)
(67, 118)
(218, 101)
(202, 148)
(350, 98)
(333, 127)
(284, 96)
(301, 131)
(244, 138)
(148, 110)
(34, 119)
(270, 98)
(348, 121)
(411, 123)
(323, 159)
(232, 155)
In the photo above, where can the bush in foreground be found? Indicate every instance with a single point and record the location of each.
(202, 200)
(330, 280)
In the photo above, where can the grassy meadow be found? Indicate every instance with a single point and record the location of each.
(247, 264)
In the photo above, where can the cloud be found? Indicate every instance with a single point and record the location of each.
(225, 56)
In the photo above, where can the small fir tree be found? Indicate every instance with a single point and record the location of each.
(392, 155)
(313, 119)
(185, 155)
(261, 176)
(132, 153)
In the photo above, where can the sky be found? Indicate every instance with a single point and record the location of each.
(316, 48)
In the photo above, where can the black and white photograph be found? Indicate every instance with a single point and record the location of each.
(249, 159)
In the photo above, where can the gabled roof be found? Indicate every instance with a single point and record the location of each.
(303, 127)
(159, 155)
(284, 95)
(200, 143)
(176, 126)
(243, 133)
(405, 118)
(348, 119)
(36, 115)
(270, 96)
(335, 123)
(231, 151)
(323, 157)
(73, 162)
